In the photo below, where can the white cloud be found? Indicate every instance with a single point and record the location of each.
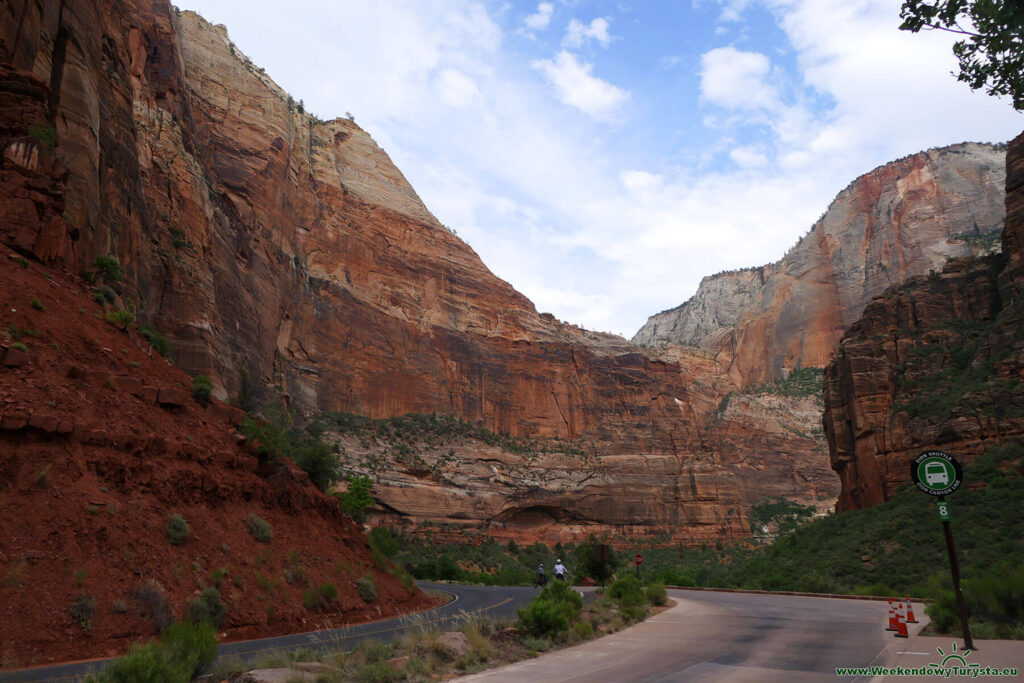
(577, 87)
(578, 32)
(737, 80)
(540, 20)
(748, 157)
(732, 10)
(591, 223)
(639, 182)
(456, 88)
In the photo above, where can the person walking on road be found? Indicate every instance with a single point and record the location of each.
(560, 570)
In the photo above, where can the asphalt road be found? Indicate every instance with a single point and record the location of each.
(469, 601)
(712, 636)
(708, 636)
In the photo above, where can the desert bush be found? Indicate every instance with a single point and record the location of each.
(82, 611)
(367, 590)
(536, 644)
(355, 501)
(176, 529)
(109, 268)
(45, 134)
(259, 528)
(38, 305)
(294, 575)
(207, 608)
(656, 594)
(383, 541)
(155, 339)
(627, 591)
(19, 346)
(321, 597)
(201, 389)
(105, 294)
(121, 318)
(153, 597)
(192, 647)
(185, 652)
(552, 611)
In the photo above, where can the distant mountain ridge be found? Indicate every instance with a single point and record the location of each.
(902, 219)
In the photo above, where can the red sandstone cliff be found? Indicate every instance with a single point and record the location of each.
(936, 363)
(900, 220)
(265, 242)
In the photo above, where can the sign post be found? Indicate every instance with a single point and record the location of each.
(638, 560)
(939, 474)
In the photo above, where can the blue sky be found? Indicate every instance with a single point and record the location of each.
(603, 156)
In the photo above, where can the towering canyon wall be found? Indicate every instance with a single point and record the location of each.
(283, 255)
(935, 363)
(900, 220)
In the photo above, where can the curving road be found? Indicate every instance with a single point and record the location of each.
(707, 636)
(714, 636)
(468, 601)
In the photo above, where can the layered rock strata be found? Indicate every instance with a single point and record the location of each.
(901, 220)
(284, 255)
(936, 363)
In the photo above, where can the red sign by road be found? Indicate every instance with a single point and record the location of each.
(639, 559)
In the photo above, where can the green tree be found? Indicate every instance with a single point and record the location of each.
(355, 501)
(991, 55)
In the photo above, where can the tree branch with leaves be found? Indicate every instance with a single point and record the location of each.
(991, 56)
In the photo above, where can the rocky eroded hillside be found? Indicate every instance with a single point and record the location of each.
(101, 443)
(935, 363)
(285, 256)
(901, 220)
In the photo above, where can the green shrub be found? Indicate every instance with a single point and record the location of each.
(19, 346)
(207, 608)
(317, 459)
(656, 594)
(201, 389)
(45, 134)
(383, 541)
(38, 305)
(155, 339)
(184, 653)
(259, 528)
(321, 597)
(82, 610)
(367, 590)
(627, 591)
(294, 576)
(355, 501)
(122, 318)
(552, 611)
(109, 268)
(21, 262)
(192, 647)
(176, 529)
(105, 294)
(536, 644)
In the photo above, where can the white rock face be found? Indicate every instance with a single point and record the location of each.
(901, 220)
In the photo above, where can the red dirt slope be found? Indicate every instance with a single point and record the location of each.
(100, 442)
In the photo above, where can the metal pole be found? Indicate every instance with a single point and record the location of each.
(955, 566)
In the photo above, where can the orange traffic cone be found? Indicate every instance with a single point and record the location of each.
(910, 613)
(892, 620)
(901, 627)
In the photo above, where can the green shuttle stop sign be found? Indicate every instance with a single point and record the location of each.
(936, 473)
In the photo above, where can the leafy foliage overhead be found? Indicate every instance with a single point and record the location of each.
(991, 55)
